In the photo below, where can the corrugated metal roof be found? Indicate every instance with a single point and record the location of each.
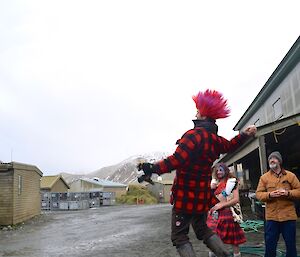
(49, 181)
(103, 182)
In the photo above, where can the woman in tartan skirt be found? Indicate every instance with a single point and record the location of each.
(220, 218)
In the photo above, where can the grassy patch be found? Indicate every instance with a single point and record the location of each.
(137, 195)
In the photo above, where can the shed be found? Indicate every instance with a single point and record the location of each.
(96, 184)
(276, 113)
(161, 190)
(20, 197)
(54, 184)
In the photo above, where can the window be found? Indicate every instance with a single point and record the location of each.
(277, 109)
(20, 184)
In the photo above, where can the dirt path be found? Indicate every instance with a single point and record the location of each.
(107, 231)
(115, 231)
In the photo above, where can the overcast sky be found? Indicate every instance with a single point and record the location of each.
(87, 84)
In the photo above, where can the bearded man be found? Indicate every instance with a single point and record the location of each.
(277, 188)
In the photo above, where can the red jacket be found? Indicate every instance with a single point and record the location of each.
(193, 158)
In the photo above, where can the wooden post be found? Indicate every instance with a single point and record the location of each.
(262, 154)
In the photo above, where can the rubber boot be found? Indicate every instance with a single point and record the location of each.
(215, 244)
(186, 250)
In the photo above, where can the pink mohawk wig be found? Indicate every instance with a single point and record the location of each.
(211, 104)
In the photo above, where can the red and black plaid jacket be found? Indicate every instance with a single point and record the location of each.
(193, 158)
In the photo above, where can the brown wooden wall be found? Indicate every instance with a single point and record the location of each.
(117, 190)
(27, 203)
(59, 186)
(19, 192)
(6, 197)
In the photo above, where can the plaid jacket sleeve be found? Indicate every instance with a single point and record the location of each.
(233, 144)
(184, 150)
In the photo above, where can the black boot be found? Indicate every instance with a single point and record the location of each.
(215, 244)
(186, 250)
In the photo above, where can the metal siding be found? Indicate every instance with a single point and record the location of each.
(296, 89)
(289, 93)
(287, 101)
(289, 64)
(75, 186)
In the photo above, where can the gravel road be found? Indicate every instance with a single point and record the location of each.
(113, 231)
(121, 231)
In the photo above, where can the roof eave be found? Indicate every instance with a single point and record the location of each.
(290, 60)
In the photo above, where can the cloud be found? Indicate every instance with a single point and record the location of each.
(84, 85)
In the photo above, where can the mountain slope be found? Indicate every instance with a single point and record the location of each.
(124, 172)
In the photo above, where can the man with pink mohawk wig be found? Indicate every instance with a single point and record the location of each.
(211, 104)
(193, 158)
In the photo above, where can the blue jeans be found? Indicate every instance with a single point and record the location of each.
(273, 229)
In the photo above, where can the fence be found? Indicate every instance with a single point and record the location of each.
(76, 200)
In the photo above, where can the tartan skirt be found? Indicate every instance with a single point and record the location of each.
(229, 231)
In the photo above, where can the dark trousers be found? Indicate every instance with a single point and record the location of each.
(181, 224)
(273, 229)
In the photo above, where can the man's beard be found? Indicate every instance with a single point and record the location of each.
(273, 166)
